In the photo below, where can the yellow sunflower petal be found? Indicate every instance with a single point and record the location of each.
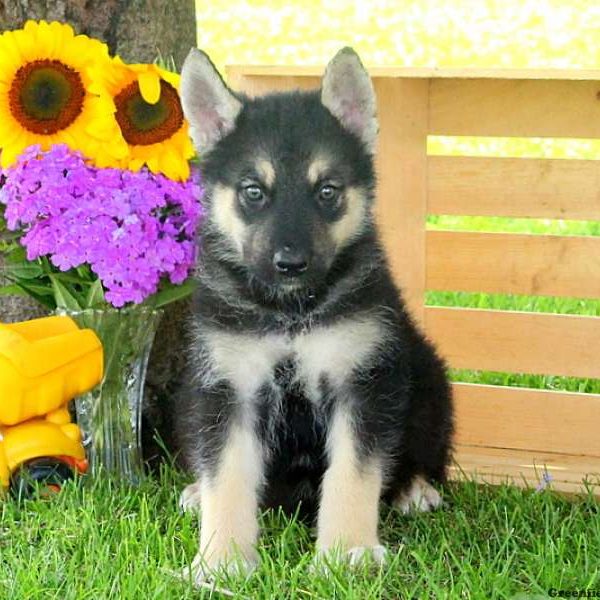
(44, 37)
(8, 133)
(162, 153)
(136, 164)
(26, 44)
(149, 83)
(172, 78)
(174, 167)
(10, 58)
(58, 49)
(9, 154)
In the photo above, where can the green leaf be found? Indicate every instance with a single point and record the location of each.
(47, 265)
(68, 277)
(85, 273)
(39, 293)
(12, 290)
(37, 288)
(23, 270)
(64, 298)
(17, 255)
(172, 293)
(95, 295)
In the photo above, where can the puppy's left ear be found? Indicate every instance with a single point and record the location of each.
(348, 93)
(208, 104)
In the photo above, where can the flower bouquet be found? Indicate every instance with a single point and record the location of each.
(98, 209)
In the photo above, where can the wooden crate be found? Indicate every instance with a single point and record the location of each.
(503, 433)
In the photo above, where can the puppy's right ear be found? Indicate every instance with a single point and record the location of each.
(208, 104)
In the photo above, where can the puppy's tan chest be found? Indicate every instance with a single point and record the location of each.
(248, 362)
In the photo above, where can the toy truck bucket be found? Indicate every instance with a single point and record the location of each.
(44, 363)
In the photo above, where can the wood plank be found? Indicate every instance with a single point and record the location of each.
(521, 108)
(401, 163)
(421, 72)
(542, 265)
(516, 342)
(514, 187)
(255, 85)
(527, 419)
(526, 469)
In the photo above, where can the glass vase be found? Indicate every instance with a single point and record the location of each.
(110, 415)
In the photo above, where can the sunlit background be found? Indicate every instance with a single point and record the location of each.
(415, 33)
(457, 33)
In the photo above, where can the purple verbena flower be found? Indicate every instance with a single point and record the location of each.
(132, 228)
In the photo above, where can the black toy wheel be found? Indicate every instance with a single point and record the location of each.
(40, 476)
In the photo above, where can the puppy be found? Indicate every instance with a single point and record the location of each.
(309, 386)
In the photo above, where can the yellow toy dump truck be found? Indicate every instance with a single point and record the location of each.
(44, 363)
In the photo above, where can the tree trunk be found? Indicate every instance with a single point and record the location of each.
(138, 31)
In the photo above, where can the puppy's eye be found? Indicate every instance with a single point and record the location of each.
(253, 196)
(329, 195)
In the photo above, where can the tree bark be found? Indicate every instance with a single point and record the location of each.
(138, 31)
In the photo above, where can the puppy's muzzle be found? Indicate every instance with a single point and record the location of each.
(290, 262)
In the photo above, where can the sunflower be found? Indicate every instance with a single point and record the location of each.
(150, 117)
(45, 95)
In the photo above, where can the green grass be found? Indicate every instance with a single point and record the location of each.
(102, 542)
(514, 225)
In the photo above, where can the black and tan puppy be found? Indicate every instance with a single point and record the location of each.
(308, 382)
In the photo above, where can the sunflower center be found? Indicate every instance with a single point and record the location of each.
(46, 96)
(143, 123)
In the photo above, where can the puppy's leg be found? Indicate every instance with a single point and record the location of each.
(349, 509)
(229, 506)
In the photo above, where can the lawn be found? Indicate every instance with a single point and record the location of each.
(103, 541)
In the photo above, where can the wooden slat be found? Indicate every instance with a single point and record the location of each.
(401, 163)
(526, 469)
(469, 102)
(421, 72)
(516, 342)
(527, 419)
(521, 108)
(514, 187)
(258, 85)
(543, 265)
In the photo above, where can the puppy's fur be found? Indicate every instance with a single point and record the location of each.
(308, 382)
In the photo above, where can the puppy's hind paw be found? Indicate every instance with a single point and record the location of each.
(189, 500)
(421, 496)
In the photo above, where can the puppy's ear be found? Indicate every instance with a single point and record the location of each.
(208, 104)
(348, 93)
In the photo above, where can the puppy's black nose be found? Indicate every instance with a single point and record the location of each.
(289, 261)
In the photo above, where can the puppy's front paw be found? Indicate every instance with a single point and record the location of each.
(225, 560)
(189, 500)
(377, 554)
(236, 565)
(353, 557)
